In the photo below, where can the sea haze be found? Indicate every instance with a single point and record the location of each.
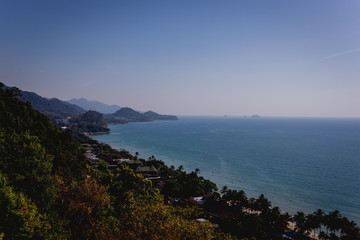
(300, 164)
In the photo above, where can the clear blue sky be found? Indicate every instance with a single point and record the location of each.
(272, 58)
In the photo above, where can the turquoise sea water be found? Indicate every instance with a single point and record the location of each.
(300, 164)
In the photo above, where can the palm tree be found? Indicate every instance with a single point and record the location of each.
(319, 217)
(311, 223)
(333, 221)
(224, 190)
(300, 220)
(349, 230)
(252, 204)
(235, 198)
(242, 199)
(279, 220)
(262, 203)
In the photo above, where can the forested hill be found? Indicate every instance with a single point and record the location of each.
(57, 109)
(45, 105)
(47, 191)
(156, 116)
(26, 124)
(130, 115)
(52, 105)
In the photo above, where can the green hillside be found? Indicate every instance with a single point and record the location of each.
(52, 105)
(47, 191)
(130, 115)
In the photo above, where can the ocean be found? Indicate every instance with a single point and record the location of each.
(299, 164)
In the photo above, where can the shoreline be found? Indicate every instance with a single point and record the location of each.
(96, 133)
(284, 207)
(290, 203)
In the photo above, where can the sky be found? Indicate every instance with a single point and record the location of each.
(203, 57)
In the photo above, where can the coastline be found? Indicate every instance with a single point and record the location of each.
(281, 180)
(96, 133)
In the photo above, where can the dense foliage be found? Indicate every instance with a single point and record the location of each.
(257, 217)
(20, 122)
(179, 184)
(89, 122)
(91, 117)
(48, 192)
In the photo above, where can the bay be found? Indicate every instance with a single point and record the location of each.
(299, 164)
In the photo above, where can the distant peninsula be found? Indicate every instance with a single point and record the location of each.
(83, 116)
(130, 115)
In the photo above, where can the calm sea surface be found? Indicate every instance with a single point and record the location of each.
(299, 164)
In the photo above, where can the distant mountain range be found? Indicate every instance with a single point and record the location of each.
(52, 105)
(115, 113)
(94, 105)
(56, 108)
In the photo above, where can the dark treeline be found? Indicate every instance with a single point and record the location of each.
(49, 190)
(259, 218)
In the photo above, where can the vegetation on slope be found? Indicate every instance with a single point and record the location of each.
(130, 115)
(90, 122)
(52, 105)
(48, 192)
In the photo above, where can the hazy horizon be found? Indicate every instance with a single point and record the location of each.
(204, 58)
